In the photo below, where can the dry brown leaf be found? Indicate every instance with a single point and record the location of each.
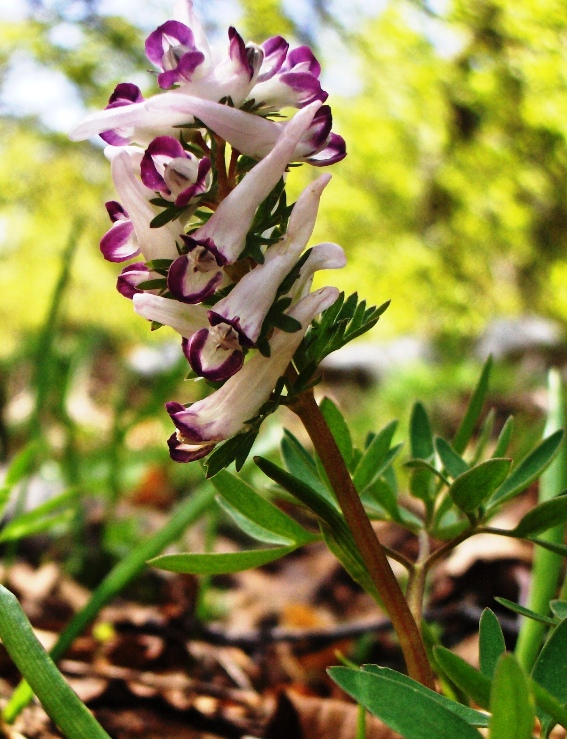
(304, 717)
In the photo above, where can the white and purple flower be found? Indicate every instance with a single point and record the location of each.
(189, 255)
(177, 174)
(194, 276)
(229, 410)
(119, 243)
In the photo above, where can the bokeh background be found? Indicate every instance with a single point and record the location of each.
(452, 201)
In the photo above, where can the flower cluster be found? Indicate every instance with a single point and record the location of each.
(221, 258)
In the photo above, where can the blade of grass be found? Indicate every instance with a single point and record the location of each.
(186, 513)
(60, 702)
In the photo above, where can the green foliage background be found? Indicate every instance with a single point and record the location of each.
(453, 198)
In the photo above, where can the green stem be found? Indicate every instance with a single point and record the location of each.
(416, 583)
(547, 566)
(366, 540)
(186, 513)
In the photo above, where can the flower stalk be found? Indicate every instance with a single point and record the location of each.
(371, 550)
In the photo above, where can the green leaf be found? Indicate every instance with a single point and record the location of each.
(528, 613)
(421, 437)
(59, 700)
(529, 469)
(234, 450)
(422, 465)
(22, 464)
(167, 215)
(334, 528)
(155, 265)
(386, 461)
(504, 438)
(453, 463)
(4, 498)
(491, 642)
(477, 685)
(339, 429)
(474, 410)
(370, 465)
(157, 283)
(470, 715)
(410, 711)
(218, 563)
(242, 502)
(251, 528)
(474, 487)
(470, 681)
(381, 493)
(302, 466)
(559, 608)
(39, 518)
(511, 703)
(483, 437)
(543, 517)
(550, 545)
(551, 667)
(18, 529)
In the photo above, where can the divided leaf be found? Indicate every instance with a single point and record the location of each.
(413, 712)
(474, 410)
(421, 436)
(511, 703)
(269, 523)
(544, 516)
(529, 469)
(491, 642)
(339, 428)
(472, 488)
(453, 463)
(374, 458)
(218, 563)
(551, 667)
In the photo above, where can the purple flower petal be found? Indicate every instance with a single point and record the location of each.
(115, 211)
(333, 152)
(302, 57)
(161, 150)
(275, 51)
(198, 188)
(184, 70)
(119, 242)
(194, 276)
(214, 353)
(124, 93)
(130, 277)
(171, 34)
(182, 451)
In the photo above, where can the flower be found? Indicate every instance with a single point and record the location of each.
(194, 276)
(124, 94)
(231, 409)
(270, 74)
(177, 174)
(185, 319)
(246, 335)
(294, 83)
(246, 306)
(250, 134)
(153, 243)
(119, 243)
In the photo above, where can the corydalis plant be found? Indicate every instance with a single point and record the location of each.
(199, 170)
